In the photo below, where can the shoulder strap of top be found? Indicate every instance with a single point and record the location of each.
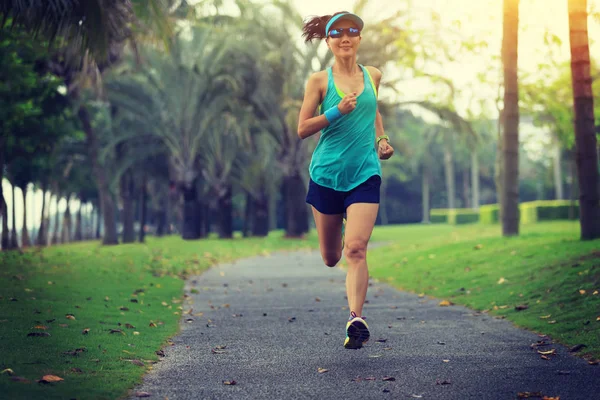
(367, 73)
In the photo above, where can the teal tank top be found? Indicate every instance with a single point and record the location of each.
(345, 155)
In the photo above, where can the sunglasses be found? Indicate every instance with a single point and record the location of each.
(339, 32)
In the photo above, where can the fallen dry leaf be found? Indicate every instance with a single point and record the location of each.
(445, 303)
(527, 395)
(7, 371)
(231, 382)
(70, 316)
(142, 394)
(19, 379)
(521, 307)
(545, 316)
(50, 379)
(582, 291)
(550, 398)
(85, 331)
(444, 382)
(576, 348)
(388, 378)
(478, 247)
(501, 281)
(322, 370)
(117, 331)
(40, 327)
(129, 326)
(137, 362)
(152, 325)
(594, 362)
(548, 352)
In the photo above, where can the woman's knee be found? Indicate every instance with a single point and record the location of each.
(356, 250)
(331, 258)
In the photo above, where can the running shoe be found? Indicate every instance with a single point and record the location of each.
(357, 332)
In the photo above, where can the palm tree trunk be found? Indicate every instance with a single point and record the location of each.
(191, 224)
(449, 170)
(67, 222)
(25, 239)
(425, 190)
(78, 225)
(127, 218)
(106, 202)
(14, 240)
(296, 211)
(558, 186)
(5, 241)
(475, 179)
(143, 209)
(226, 213)
(98, 221)
(56, 230)
(260, 215)
(585, 131)
(41, 236)
(466, 188)
(510, 42)
(248, 211)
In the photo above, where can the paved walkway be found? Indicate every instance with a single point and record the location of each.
(281, 318)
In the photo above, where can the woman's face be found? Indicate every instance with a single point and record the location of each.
(346, 44)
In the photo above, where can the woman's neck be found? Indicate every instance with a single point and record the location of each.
(345, 66)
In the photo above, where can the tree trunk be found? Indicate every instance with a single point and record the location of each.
(499, 165)
(475, 179)
(41, 236)
(585, 131)
(25, 240)
(106, 202)
(143, 209)
(248, 211)
(573, 189)
(466, 188)
(5, 241)
(191, 214)
(56, 230)
(225, 213)
(99, 220)
(78, 225)
(449, 170)
(425, 190)
(510, 42)
(127, 218)
(67, 225)
(14, 240)
(558, 186)
(296, 210)
(260, 215)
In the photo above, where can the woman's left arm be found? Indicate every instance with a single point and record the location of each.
(384, 149)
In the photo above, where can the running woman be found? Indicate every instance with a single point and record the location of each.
(345, 171)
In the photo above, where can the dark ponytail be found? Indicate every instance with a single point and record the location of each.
(314, 27)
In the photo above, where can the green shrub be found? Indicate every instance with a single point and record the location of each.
(453, 216)
(438, 216)
(547, 210)
(489, 214)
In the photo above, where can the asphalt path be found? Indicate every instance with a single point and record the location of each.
(272, 327)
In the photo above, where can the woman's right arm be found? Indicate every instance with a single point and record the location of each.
(308, 124)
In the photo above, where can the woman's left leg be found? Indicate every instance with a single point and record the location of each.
(360, 221)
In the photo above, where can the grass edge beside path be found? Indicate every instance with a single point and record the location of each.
(546, 280)
(96, 315)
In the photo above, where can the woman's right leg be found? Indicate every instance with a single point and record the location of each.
(329, 230)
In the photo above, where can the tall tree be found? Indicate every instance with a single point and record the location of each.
(585, 135)
(510, 116)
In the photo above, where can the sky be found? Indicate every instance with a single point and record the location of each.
(479, 18)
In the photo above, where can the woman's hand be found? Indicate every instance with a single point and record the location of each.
(348, 103)
(384, 150)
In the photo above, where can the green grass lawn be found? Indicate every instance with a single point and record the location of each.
(547, 268)
(108, 309)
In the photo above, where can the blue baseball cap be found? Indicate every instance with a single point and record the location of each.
(349, 16)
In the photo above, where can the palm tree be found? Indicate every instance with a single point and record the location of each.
(585, 135)
(510, 187)
(179, 99)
